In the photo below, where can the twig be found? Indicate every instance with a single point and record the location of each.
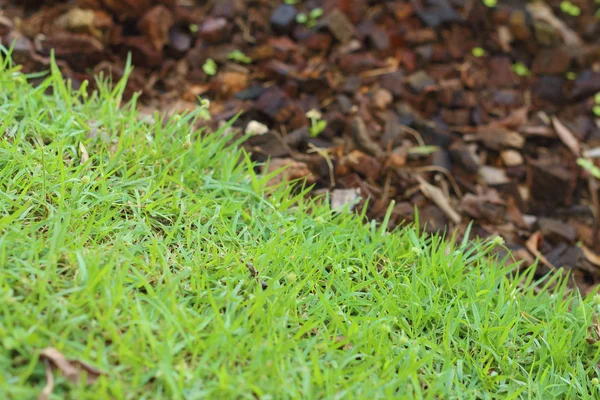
(435, 168)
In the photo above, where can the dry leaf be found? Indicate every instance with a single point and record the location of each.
(436, 195)
(532, 245)
(516, 119)
(543, 12)
(84, 154)
(70, 369)
(566, 137)
(594, 331)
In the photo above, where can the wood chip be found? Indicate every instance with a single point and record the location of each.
(340, 26)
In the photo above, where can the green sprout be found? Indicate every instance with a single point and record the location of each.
(239, 56)
(490, 3)
(193, 28)
(596, 110)
(316, 13)
(210, 67)
(301, 18)
(589, 166)
(478, 52)
(597, 98)
(311, 19)
(317, 125)
(571, 75)
(291, 2)
(569, 8)
(521, 69)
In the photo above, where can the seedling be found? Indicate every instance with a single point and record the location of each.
(569, 8)
(210, 67)
(490, 3)
(193, 28)
(596, 108)
(521, 69)
(478, 52)
(311, 19)
(571, 75)
(239, 56)
(317, 125)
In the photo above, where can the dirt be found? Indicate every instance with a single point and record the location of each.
(468, 112)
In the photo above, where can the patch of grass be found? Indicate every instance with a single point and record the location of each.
(125, 243)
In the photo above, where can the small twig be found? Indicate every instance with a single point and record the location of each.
(435, 168)
(414, 133)
(436, 195)
(593, 187)
(254, 274)
(245, 30)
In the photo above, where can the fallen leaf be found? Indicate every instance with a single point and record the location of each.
(340, 198)
(543, 12)
(515, 119)
(566, 137)
(594, 331)
(532, 245)
(84, 154)
(436, 195)
(71, 369)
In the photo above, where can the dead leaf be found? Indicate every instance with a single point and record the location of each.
(436, 195)
(84, 154)
(594, 331)
(532, 245)
(71, 369)
(566, 137)
(543, 12)
(516, 119)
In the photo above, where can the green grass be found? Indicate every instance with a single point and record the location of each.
(135, 261)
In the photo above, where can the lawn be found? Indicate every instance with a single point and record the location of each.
(156, 254)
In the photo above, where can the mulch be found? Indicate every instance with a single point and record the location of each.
(468, 112)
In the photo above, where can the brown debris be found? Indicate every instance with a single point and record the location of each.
(293, 170)
(72, 370)
(155, 24)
